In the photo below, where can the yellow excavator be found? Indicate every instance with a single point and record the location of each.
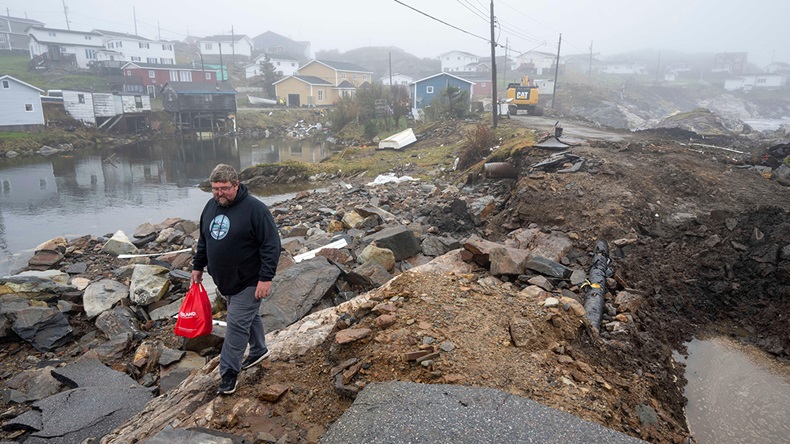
(523, 96)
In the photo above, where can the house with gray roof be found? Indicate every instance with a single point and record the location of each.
(279, 46)
(13, 33)
(322, 83)
(236, 46)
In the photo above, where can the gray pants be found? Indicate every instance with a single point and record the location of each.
(244, 326)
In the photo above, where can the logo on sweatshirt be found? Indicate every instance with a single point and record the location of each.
(219, 227)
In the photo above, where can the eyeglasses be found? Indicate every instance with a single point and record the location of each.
(221, 189)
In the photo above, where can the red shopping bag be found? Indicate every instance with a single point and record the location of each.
(194, 317)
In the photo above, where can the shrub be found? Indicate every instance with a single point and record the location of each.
(477, 147)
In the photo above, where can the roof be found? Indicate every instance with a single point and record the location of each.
(341, 66)
(224, 38)
(55, 42)
(545, 54)
(311, 80)
(22, 20)
(461, 52)
(7, 77)
(443, 74)
(274, 57)
(161, 66)
(346, 84)
(42, 28)
(120, 34)
(201, 87)
(270, 38)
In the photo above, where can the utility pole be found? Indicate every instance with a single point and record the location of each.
(589, 69)
(390, 54)
(222, 74)
(158, 31)
(658, 66)
(134, 14)
(66, 13)
(495, 107)
(504, 70)
(556, 71)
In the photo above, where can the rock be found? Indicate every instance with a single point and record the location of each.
(573, 305)
(44, 260)
(30, 420)
(506, 260)
(272, 393)
(480, 249)
(52, 281)
(169, 356)
(551, 302)
(103, 295)
(522, 332)
(627, 302)
(541, 282)
(80, 283)
(57, 244)
(399, 239)
(352, 219)
(481, 208)
(533, 292)
(373, 273)
(292, 245)
(550, 245)
(117, 321)
(438, 245)
(197, 435)
(149, 284)
(10, 303)
(45, 329)
(351, 335)
(145, 230)
(115, 347)
(171, 376)
(119, 244)
(647, 416)
(210, 341)
(167, 311)
(335, 254)
(547, 267)
(296, 290)
(35, 384)
(382, 256)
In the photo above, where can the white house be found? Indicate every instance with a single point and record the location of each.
(624, 68)
(226, 45)
(77, 47)
(283, 66)
(778, 67)
(13, 32)
(133, 48)
(457, 60)
(745, 83)
(536, 62)
(20, 105)
(397, 79)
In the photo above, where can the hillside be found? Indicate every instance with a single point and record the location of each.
(376, 58)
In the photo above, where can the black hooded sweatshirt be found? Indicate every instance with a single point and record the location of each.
(239, 243)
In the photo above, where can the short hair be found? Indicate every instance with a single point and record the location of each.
(224, 173)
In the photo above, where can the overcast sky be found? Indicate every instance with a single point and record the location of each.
(758, 27)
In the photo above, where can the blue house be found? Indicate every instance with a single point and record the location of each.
(424, 90)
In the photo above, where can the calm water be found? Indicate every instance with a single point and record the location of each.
(736, 394)
(102, 191)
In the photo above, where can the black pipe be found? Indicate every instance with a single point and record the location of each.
(595, 287)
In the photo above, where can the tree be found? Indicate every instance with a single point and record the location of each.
(269, 76)
(449, 103)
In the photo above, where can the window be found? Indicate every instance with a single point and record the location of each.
(90, 54)
(429, 89)
(355, 76)
(151, 74)
(87, 37)
(135, 59)
(119, 44)
(129, 72)
(208, 46)
(343, 75)
(293, 64)
(278, 63)
(364, 76)
(173, 76)
(166, 61)
(80, 98)
(763, 80)
(138, 102)
(167, 47)
(52, 34)
(29, 107)
(2, 38)
(110, 45)
(320, 95)
(144, 45)
(208, 76)
(5, 84)
(185, 76)
(152, 60)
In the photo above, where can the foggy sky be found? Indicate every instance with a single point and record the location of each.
(613, 26)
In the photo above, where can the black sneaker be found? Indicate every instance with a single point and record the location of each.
(252, 360)
(228, 384)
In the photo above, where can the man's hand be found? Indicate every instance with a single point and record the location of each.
(262, 290)
(197, 277)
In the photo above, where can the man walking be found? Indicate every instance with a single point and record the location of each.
(240, 244)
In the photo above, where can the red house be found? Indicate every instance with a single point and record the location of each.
(153, 76)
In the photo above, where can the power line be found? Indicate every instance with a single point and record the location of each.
(565, 40)
(440, 21)
(472, 10)
(483, 12)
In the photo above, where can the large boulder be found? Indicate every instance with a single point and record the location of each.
(103, 295)
(51, 281)
(119, 244)
(399, 239)
(149, 283)
(44, 328)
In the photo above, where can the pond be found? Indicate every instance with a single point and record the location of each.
(101, 191)
(736, 393)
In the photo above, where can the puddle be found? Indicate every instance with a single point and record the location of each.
(736, 393)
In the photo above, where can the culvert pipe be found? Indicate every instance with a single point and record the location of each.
(595, 286)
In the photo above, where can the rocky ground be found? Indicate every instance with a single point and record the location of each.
(698, 239)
